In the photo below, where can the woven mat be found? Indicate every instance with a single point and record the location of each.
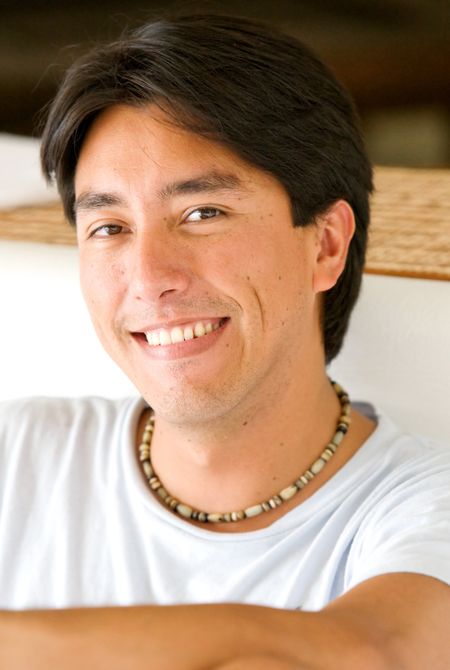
(410, 231)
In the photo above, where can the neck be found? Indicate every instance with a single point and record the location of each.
(233, 464)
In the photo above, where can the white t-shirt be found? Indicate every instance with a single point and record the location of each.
(78, 525)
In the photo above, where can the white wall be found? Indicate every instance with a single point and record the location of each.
(396, 353)
(47, 343)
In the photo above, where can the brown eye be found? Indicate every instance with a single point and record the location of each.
(203, 213)
(108, 230)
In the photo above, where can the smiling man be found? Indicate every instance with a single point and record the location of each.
(218, 182)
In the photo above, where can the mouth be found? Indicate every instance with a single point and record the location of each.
(163, 337)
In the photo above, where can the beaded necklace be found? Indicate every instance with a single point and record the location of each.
(272, 503)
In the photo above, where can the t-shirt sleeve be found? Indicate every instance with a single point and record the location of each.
(408, 529)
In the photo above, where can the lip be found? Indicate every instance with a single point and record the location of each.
(184, 349)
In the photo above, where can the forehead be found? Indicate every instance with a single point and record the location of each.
(143, 142)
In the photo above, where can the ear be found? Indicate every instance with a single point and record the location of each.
(334, 231)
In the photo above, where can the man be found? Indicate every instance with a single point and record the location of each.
(218, 182)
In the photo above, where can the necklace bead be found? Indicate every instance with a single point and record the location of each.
(275, 501)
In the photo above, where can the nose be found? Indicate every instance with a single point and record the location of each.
(158, 266)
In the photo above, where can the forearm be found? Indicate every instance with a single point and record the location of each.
(260, 663)
(161, 638)
(175, 638)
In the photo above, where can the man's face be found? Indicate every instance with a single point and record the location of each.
(198, 284)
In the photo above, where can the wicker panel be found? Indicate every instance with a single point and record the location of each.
(410, 232)
(43, 223)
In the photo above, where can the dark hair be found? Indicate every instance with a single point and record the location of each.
(259, 92)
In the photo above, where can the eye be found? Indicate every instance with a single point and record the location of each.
(107, 230)
(203, 213)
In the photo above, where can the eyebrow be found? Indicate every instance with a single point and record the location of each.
(208, 183)
(94, 200)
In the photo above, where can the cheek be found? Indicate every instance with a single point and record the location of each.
(100, 284)
(282, 284)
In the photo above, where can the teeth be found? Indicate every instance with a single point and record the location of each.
(176, 335)
(179, 334)
(199, 329)
(164, 337)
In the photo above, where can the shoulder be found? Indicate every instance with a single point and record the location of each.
(401, 472)
(399, 479)
(404, 511)
(398, 453)
(44, 421)
(45, 410)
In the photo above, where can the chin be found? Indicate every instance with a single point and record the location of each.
(189, 405)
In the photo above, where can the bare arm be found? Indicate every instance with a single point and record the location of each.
(393, 621)
(260, 663)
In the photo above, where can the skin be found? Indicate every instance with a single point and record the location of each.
(147, 259)
(166, 265)
(391, 622)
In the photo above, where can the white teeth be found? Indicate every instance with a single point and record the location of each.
(199, 329)
(180, 334)
(164, 337)
(188, 333)
(177, 335)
